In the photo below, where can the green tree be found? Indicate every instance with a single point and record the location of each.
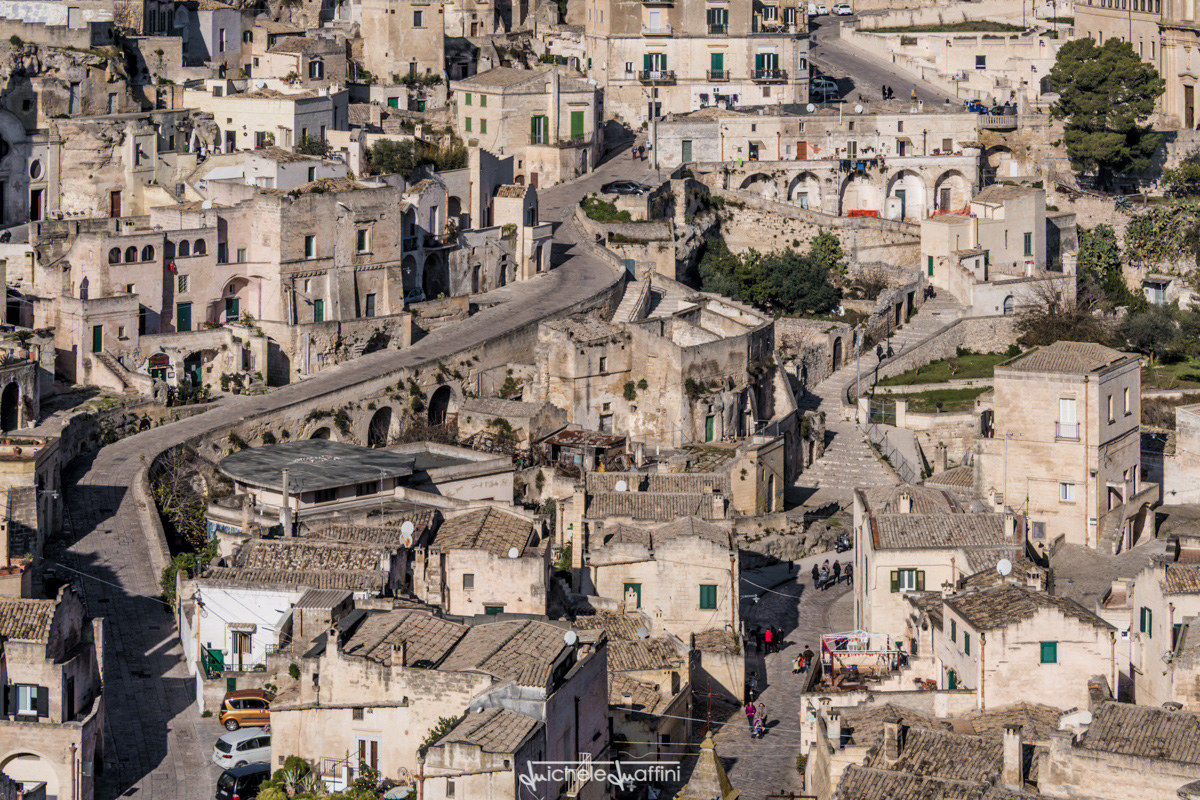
(1183, 180)
(1105, 94)
(1153, 332)
(314, 146)
(1100, 262)
(388, 156)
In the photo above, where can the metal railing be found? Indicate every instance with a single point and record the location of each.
(656, 75)
(656, 30)
(718, 74)
(1068, 431)
(768, 75)
(717, 29)
(879, 439)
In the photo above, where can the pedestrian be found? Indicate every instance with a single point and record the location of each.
(815, 574)
(837, 572)
(779, 639)
(753, 684)
(824, 584)
(808, 655)
(768, 639)
(754, 636)
(879, 352)
(849, 573)
(756, 728)
(889, 350)
(749, 712)
(798, 664)
(913, 93)
(760, 721)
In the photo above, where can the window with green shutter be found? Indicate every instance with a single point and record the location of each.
(1049, 652)
(951, 680)
(468, 124)
(318, 310)
(1176, 629)
(468, 98)
(708, 596)
(716, 62)
(966, 643)
(907, 580)
(576, 124)
(1028, 244)
(483, 126)
(483, 101)
(1147, 619)
(954, 631)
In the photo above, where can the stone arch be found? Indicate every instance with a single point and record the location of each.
(441, 405)
(408, 269)
(148, 253)
(909, 188)
(837, 354)
(131, 254)
(28, 766)
(199, 248)
(323, 432)
(454, 211)
(10, 407)
(1008, 305)
(379, 429)
(235, 289)
(1000, 162)
(805, 190)
(951, 191)
(114, 255)
(859, 194)
(537, 259)
(185, 248)
(760, 183)
(431, 278)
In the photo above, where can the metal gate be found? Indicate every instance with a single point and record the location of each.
(883, 412)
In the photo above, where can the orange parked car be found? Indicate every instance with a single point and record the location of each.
(249, 708)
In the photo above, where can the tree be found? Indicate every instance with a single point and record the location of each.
(389, 156)
(1049, 319)
(787, 282)
(314, 146)
(1100, 262)
(1183, 180)
(1104, 95)
(1153, 332)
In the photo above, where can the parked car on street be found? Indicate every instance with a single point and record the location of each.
(977, 107)
(245, 708)
(843, 10)
(242, 783)
(239, 748)
(822, 9)
(624, 187)
(823, 88)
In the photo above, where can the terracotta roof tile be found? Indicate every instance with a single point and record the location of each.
(1067, 357)
(495, 730)
(521, 651)
(26, 620)
(1144, 731)
(490, 529)
(937, 531)
(427, 638)
(1006, 604)
(643, 654)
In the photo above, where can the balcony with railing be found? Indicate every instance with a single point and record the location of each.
(1066, 431)
(658, 2)
(718, 74)
(717, 29)
(661, 29)
(768, 75)
(656, 75)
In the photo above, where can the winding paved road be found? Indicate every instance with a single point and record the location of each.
(156, 746)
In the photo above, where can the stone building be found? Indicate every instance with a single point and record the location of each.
(551, 124)
(264, 117)
(913, 539)
(270, 168)
(683, 575)
(310, 62)
(1164, 632)
(51, 733)
(485, 561)
(1009, 643)
(1181, 472)
(1002, 253)
(1066, 446)
(404, 39)
(374, 689)
(31, 506)
(493, 418)
(668, 59)
(485, 755)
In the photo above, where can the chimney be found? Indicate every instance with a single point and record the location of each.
(905, 502)
(940, 461)
(332, 638)
(833, 727)
(400, 653)
(639, 454)
(246, 513)
(718, 506)
(893, 740)
(285, 507)
(1013, 774)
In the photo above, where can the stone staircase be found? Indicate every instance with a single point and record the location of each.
(849, 462)
(633, 302)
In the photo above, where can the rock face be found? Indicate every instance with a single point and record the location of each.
(44, 82)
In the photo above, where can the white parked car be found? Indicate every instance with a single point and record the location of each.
(821, 88)
(822, 9)
(843, 10)
(245, 746)
(812, 9)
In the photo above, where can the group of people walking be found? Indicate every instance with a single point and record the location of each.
(768, 640)
(825, 575)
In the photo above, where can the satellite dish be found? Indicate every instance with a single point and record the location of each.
(207, 204)
(1004, 566)
(642, 633)
(513, 552)
(406, 539)
(570, 637)
(621, 486)
(810, 108)
(407, 527)
(260, 84)
(858, 109)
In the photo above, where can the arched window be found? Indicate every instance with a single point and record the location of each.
(148, 253)
(130, 254)
(185, 249)
(316, 70)
(199, 248)
(114, 256)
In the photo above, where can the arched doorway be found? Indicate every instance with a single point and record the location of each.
(31, 768)
(322, 433)
(859, 197)
(760, 183)
(431, 281)
(1000, 163)
(805, 191)
(906, 196)
(837, 353)
(439, 405)
(1008, 306)
(412, 285)
(10, 407)
(380, 427)
(951, 192)
(455, 212)
(233, 295)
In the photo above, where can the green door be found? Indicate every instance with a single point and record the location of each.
(687, 150)
(318, 310)
(393, 102)
(929, 266)
(636, 588)
(576, 124)
(97, 338)
(708, 427)
(183, 317)
(231, 309)
(716, 63)
(952, 680)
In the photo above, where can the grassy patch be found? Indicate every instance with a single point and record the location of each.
(940, 400)
(1160, 411)
(1179, 375)
(949, 369)
(1060, 20)
(966, 26)
(603, 211)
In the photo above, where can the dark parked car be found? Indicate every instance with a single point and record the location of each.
(241, 783)
(624, 187)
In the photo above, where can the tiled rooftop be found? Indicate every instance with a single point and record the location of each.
(938, 753)
(676, 482)
(372, 582)
(650, 506)
(313, 464)
(26, 620)
(623, 533)
(643, 696)
(936, 531)
(1008, 604)
(1144, 731)
(864, 724)
(616, 625)
(1181, 579)
(495, 730)
(1067, 357)
(490, 529)
(864, 783)
(924, 500)
(717, 640)
(428, 638)
(1037, 721)
(301, 555)
(643, 654)
(521, 651)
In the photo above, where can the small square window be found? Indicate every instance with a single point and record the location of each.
(1049, 652)
(468, 581)
(120, 331)
(241, 255)
(603, 364)
(357, 712)
(708, 596)
(361, 243)
(1066, 492)
(183, 284)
